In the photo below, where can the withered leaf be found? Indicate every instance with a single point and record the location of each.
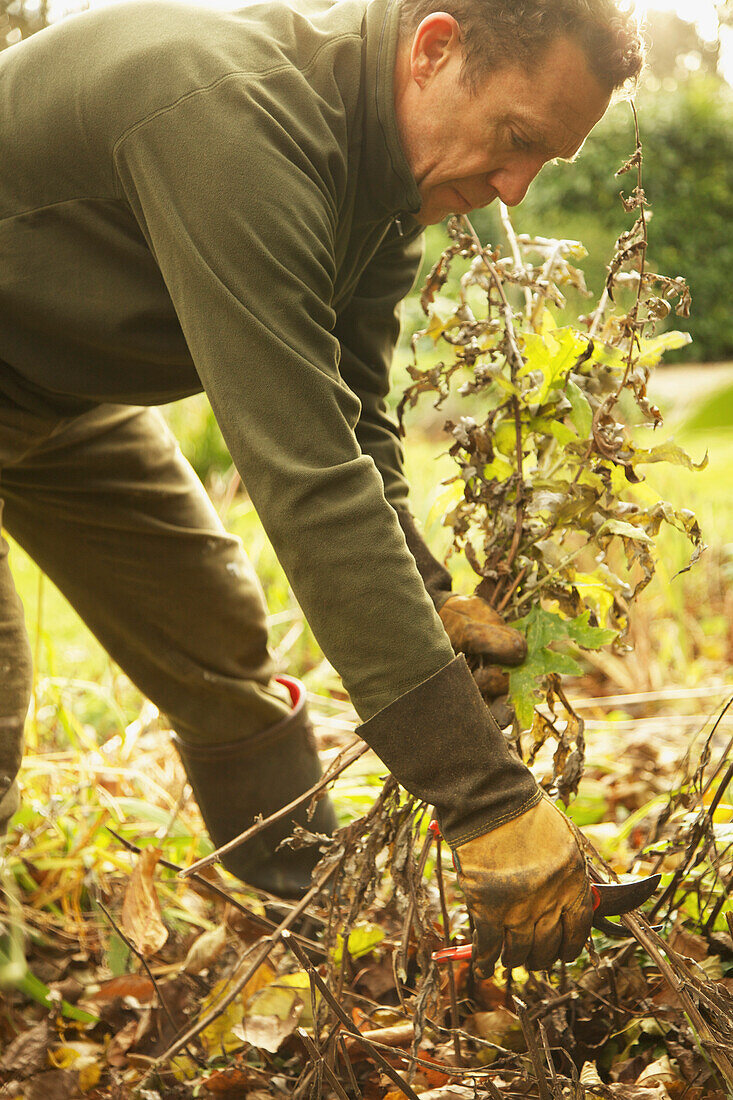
(269, 1032)
(28, 1051)
(142, 921)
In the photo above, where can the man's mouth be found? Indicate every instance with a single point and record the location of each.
(463, 205)
(466, 205)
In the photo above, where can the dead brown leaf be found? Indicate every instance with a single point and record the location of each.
(138, 986)
(142, 921)
(500, 1026)
(28, 1052)
(205, 950)
(127, 1038)
(232, 1083)
(445, 1092)
(689, 944)
(269, 1032)
(54, 1084)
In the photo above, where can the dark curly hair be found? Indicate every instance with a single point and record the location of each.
(496, 32)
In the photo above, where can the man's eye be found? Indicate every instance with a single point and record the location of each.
(519, 142)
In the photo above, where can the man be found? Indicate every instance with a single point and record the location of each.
(235, 201)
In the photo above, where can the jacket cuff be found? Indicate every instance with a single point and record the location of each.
(442, 744)
(435, 577)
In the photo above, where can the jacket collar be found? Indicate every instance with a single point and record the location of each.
(391, 185)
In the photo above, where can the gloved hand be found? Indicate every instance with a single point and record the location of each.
(475, 629)
(527, 890)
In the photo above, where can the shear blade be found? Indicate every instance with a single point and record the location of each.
(617, 898)
(622, 897)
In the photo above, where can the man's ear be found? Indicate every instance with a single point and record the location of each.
(436, 41)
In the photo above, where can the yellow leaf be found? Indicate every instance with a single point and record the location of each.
(89, 1074)
(498, 470)
(218, 1037)
(594, 592)
(445, 501)
(184, 1068)
(263, 976)
(279, 997)
(62, 1057)
(548, 322)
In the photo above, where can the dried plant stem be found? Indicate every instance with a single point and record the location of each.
(318, 1058)
(512, 589)
(598, 313)
(544, 279)
(644, 244)
(349, 1068)
(516, 363)
(516, 355)
(376, 1048)
(533, 1049)
(307, 1075)
(506, 221)
(343, 761)
(529, 593)
(454, 1019)
(407, 926)
(556, 1089)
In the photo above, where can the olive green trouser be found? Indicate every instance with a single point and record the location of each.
(110, 510)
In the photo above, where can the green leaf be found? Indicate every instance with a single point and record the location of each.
(562, 433)
(117, 955)
(362, 940)
(587, 636)
(562, 663)
(582, 415)
(525, 685)
(553, 354)
(542, 629)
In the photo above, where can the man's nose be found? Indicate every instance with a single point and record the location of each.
(512, 183)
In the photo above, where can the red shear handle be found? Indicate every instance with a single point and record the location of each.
(448, 954)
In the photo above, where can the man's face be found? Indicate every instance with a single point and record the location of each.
(468, 147)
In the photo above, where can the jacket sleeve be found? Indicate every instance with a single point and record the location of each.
(367, 330)
(238, 201)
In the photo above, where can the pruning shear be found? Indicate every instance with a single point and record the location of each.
(609, 900)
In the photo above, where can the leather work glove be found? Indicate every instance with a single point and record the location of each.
(474, 628)
(527, 891)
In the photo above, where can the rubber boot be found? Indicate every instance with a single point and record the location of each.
(235, 781)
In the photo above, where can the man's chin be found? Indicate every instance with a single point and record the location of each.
(434, 213)
(431, 216)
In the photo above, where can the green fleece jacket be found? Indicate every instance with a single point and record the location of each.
(193, 199)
